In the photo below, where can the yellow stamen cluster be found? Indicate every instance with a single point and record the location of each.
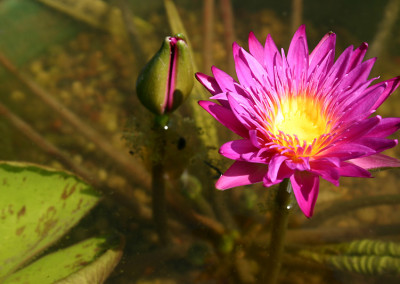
(302, 117)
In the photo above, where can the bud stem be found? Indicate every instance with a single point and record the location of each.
(159, 205)
(280, 219)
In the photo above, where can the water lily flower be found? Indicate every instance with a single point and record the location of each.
(167, 79)
(301, 116)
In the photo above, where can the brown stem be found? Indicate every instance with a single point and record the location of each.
(133, 169)
(196, 222)
(43, 144)
(297, 14)
(158, 187)
(123, 195)
(159, 204)
(221, 209)
(208, 24)
(229, 36)
(278, 231)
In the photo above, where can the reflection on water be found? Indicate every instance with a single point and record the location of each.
(86, 56)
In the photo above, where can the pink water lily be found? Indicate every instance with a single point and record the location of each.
(301, 116)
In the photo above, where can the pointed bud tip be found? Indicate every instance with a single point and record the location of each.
(167, 79)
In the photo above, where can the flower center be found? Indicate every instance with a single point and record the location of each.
(300, 117)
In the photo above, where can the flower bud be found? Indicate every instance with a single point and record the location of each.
(167, 79)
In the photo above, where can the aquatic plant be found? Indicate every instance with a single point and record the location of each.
(39, 206)
(369, 257)
(167, 80)
(301, 116)
(162, 86)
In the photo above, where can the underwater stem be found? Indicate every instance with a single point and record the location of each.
(123, 195)
(46, 146)
(229, 30)
(158, 186)
(133, 169)
(208, 24)
(297, 14)
(221, 209)
(278, 231)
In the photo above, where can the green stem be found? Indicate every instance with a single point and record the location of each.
(158, 185)
(278, 231)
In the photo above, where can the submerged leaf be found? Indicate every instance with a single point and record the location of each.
(37, 206)
(367, 265)
(86, 262)
(369, 257)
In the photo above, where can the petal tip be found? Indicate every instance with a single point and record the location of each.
(199, 76)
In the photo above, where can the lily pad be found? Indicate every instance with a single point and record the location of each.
(86, 262)
(38, 205)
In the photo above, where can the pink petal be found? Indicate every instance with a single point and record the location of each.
(298, 55)
(305, 187)
(356, 101)
(376, 161)
(255, 139)
(319, 73)
(351, 170)
(225, 117)
(324, 47)
(358, 129)
(244, 112)
(332, 161)
(241, 150)
(356, 76)
(326, 170)
(346, 151)
(225, 81)
(386, 127)
(271, 54)
(209, 82)
(299, 36)
(338, 70)
(241, 173)
(256, 49)
(358, 56)
(378, 144)
(245, 73)
(391, 85)
(283, 172)
(274, 166)
(302, 164)
(222, 98)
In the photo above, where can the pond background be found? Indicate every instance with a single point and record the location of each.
(92, 72)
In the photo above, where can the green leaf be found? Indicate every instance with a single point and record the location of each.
(86, 262)
(37, 207)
